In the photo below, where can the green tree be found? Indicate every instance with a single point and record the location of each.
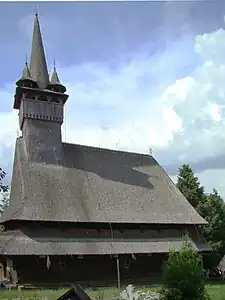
(184, 275)
(213, 210)
(189, 186)
(3, 188)
(4, 200)
(211, 207)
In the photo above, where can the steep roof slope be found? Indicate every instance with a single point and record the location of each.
(96, 185)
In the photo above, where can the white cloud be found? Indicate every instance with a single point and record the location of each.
(210, 179)
(8, 128)
(180, 119)
(201, 107)
(143, 103)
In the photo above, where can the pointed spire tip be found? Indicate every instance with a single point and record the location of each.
(36, 14)
(38, 65)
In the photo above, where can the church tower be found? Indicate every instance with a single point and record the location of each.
(40, 102)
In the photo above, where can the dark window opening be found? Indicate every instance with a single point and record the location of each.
(42, 98)
(29, 96)
(127, 264)
(55, 100)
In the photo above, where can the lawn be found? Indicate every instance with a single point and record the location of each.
(215, 290)
(101, 294)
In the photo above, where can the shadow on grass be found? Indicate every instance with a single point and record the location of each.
(215, 282)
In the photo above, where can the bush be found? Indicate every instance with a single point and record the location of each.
(184, 275)
(171, 294)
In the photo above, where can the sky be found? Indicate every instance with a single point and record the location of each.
(140, 76)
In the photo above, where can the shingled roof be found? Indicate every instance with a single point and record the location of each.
(64, 242)
(96, 185)
(221, 265)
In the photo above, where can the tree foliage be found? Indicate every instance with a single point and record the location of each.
(189, 186)
(4, 192)
(3, 188)
(4, 202)
(213, 210)
(211, 207)
(184, 275)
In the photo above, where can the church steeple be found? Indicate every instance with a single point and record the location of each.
(38, 65)
(41, 105)
(38, 99)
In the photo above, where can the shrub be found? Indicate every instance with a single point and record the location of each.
(184, 275)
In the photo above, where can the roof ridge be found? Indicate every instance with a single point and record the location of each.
(108, 149)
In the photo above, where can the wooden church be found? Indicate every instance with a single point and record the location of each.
(79, 213)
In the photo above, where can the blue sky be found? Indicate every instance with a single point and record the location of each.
(140, 75)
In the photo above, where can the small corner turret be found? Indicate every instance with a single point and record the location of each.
(26, 79)
(55, 84)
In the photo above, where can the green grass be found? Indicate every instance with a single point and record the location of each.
(215, 290)
(107, 293)
(31, 294)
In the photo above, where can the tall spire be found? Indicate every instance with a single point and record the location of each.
(38, 65)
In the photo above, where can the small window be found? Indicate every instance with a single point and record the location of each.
(30, 96)
(127, 264)
(55, 100)
(42, 98)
